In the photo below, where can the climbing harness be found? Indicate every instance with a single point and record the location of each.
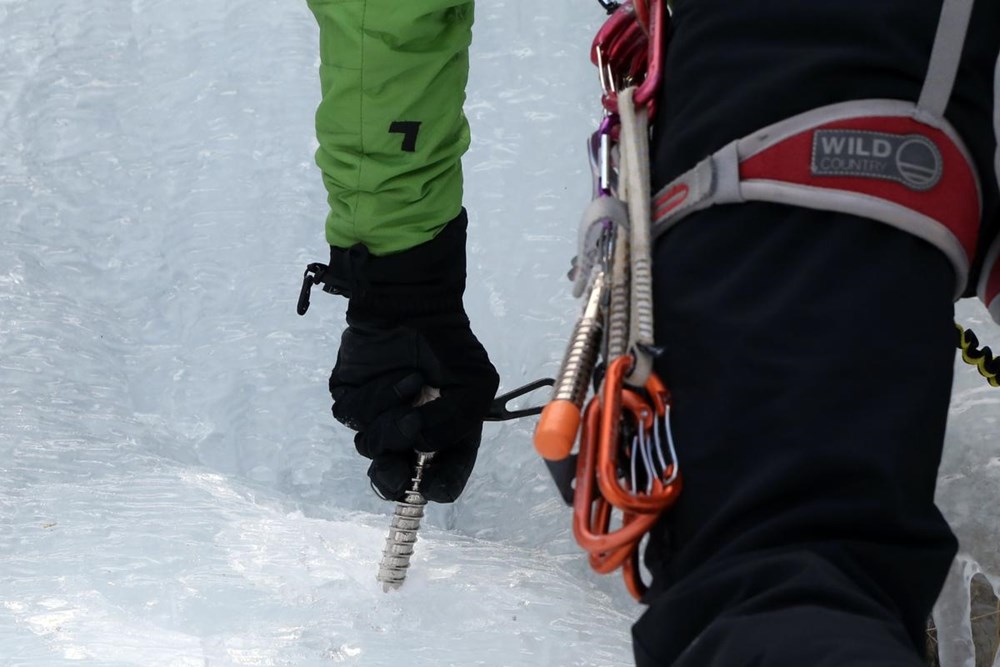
(893, 161)
(897, 162)
(625, 465)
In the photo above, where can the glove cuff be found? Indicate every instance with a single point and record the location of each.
(424, 280)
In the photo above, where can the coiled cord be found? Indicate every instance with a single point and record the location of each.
(980, 357)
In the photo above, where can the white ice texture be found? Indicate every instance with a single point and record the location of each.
(173, 490)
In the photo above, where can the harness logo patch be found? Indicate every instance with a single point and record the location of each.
(910, 159)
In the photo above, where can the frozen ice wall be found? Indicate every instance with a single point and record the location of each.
(173, 490)
(969, 493)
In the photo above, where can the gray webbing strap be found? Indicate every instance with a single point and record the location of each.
(600, 211)
(634, 146)
(946, 55)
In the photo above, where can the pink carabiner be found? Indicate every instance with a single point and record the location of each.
(612, 28)
(646, 94)
(627, 49)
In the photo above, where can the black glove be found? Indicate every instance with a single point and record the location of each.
(407, 332)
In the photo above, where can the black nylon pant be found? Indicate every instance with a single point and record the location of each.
(809, 353)
(810, 400)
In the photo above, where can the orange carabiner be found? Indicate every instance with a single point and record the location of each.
(663, 493)
(599, 493)
(591, 511)
(633, 579)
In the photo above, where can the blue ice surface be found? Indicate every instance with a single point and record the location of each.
(173, 490)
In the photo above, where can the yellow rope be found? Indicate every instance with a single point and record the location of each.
(982, 358)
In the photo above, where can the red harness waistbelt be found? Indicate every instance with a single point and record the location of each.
(886, 160)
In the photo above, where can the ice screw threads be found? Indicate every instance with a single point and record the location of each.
(403, 531)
